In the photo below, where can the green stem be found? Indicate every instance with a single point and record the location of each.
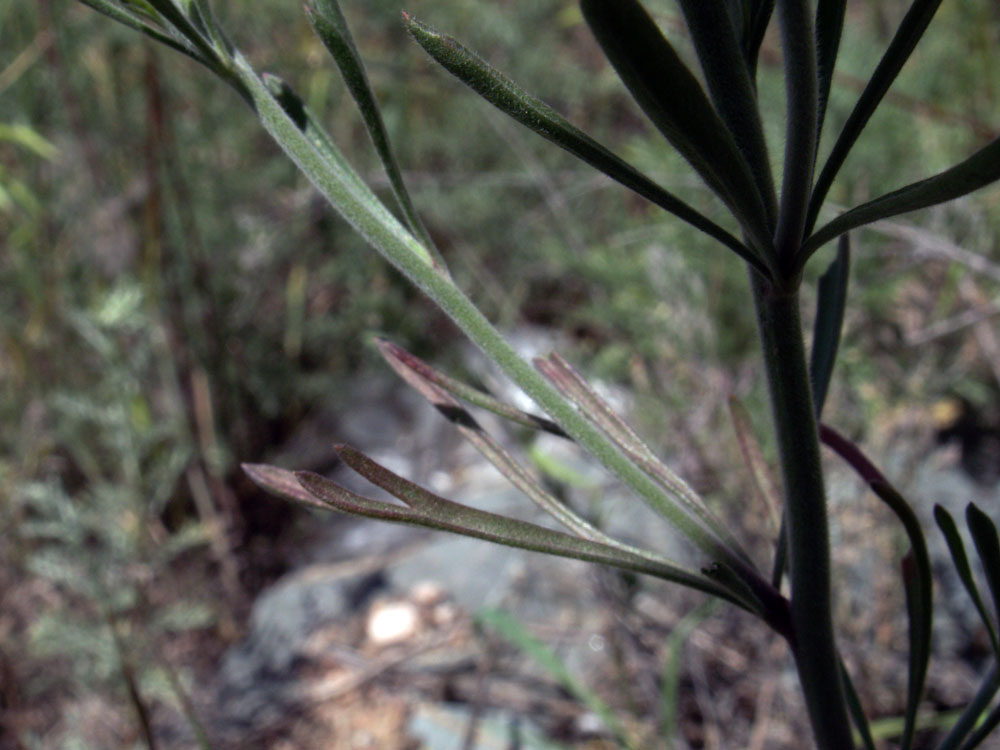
(812, 638)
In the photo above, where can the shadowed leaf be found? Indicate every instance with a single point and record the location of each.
(856, 710)
(760, 17)
(829, 25)
(978, 171)
(910, 30)
(674, 101)
(282, 483)
(534, 114)
(961, 560)
(916, 570)
(715, 36)
(830, 305)
(984, 535)
(330, 26)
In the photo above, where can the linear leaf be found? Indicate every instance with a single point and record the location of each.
(978, 171)
(916, 569)
(282, 483)
(674, 101)
(973, 711)
(140, 23)
(534, 114)
(430, 511)
(719, 51)
(572, 385)
(453, 411)
(343, 189)
(984, 535)
(829, 25)
(391, 352)
(764, 483)
(331, 27)
(961, 560)
(918, 584)
(799, 46)
(760, 18)
(910, 30)
(831, 303)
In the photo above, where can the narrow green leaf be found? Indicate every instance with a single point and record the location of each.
(978, 171)
(831, 303)
(916, 570)
(829, 25)
(514, 632)
(717, 44)
(984, 730)
(572, 385)
(760, 18)
(139, 23)
(910, 30)
(972, 713)
(674, 101)
(393, 353)
(453, 411)
(958, 556)
(801, 133)
(984, 535)
(534, 114)
(919, 604)
(282, 483)
(331, 27)
(856, 710)
(342, 188)
(430, 511)
(189, 29)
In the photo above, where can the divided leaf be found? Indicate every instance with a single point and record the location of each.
(331, 27)
(509, 98)
(431, 511)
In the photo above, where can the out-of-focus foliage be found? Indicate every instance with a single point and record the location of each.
(176, 298)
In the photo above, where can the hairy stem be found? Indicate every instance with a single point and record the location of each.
(812, 638)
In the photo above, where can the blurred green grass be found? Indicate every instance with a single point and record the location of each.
(176, 298)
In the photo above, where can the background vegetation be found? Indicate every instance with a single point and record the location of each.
(176, 299)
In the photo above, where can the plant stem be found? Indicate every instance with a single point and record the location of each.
(812, 639)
